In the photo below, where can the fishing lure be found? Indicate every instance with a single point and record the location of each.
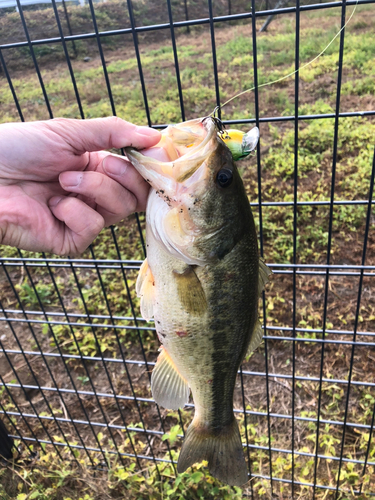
(240, 144)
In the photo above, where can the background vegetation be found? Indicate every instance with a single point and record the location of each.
(103, 292)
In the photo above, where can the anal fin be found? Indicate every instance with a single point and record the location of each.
(169, 388)
(145, 290)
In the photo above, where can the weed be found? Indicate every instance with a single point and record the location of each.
(84, 293)
(53, 479)
(31, 297)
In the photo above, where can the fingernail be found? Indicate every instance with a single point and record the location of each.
(54, 201)
(148, 131)
(114, 166)
(70, 179)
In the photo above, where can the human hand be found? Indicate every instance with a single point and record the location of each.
(59, 188)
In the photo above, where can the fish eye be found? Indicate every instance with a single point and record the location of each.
(224, 177)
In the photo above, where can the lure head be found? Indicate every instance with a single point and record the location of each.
(241, 144)
(198, 208)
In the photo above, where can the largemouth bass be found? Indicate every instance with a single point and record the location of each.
(201, 283)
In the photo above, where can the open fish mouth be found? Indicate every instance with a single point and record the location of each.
(182, 149)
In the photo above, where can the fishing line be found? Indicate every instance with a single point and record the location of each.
(293, 72)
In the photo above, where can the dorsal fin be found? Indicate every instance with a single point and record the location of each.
(264, 273)
(255, 339)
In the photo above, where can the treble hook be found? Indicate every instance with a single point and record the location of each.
(219, 124)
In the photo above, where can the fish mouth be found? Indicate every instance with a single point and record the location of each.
(182, 150)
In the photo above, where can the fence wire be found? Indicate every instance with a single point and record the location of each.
(76, 356)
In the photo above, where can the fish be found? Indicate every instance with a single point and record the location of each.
(201, 283)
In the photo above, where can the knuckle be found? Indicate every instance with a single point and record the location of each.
(116, 128)
(129, 203)
(75, 249)
(78, 249)
(91, 183)
(114, 121)
(100, 180)
(59, 120)
(94, 181)
(58, 123)
(82, 239)
(97, 224)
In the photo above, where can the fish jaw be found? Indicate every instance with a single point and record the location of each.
(187, 146)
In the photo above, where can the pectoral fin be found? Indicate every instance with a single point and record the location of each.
(169, 389)
(141, 277)
(145, 290)
(190, 292)
(264, 273)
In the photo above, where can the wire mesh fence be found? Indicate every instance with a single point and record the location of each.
(76, 357)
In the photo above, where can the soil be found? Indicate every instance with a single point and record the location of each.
(110, 378)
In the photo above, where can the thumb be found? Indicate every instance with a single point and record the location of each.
(103, 133)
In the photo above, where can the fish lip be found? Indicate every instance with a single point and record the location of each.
(173, 170)
(210, 128)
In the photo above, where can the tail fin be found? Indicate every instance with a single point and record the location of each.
(221, 448)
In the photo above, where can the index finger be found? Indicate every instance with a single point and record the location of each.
(102, 133)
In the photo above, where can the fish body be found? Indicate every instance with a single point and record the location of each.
(200, 283)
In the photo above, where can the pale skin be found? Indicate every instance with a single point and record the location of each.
(59, 187)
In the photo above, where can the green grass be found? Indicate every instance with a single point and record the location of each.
(49, 478)
(57, 482)
(53, 479)
(276, 54)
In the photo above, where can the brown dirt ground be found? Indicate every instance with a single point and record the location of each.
(342, 296)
